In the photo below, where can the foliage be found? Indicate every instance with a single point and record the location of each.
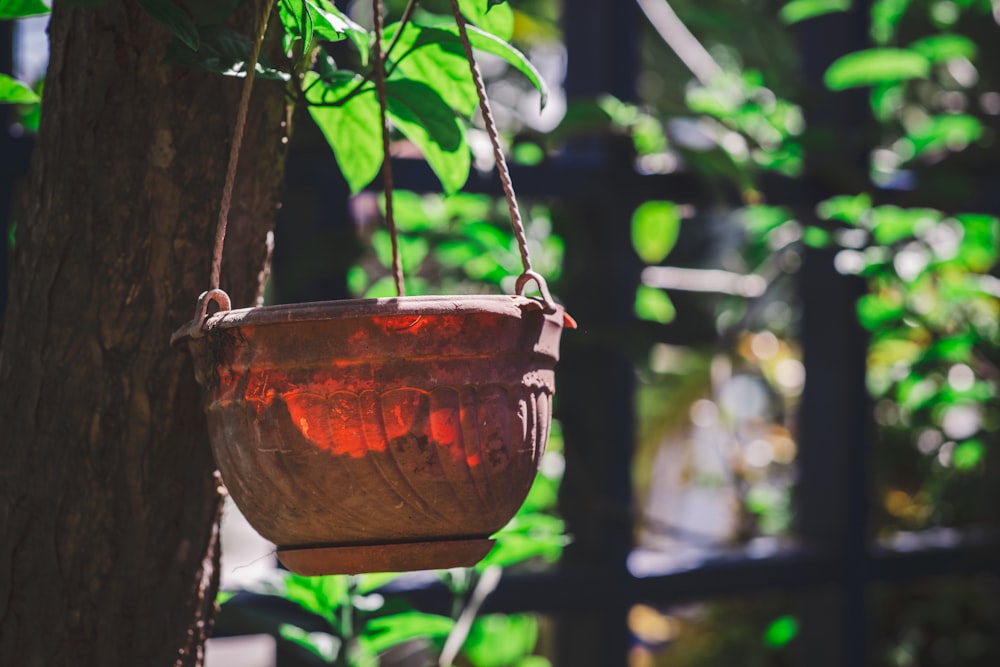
(430, 93)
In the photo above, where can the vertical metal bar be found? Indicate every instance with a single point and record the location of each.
(832, 503)
(596, 377)
(833, 492)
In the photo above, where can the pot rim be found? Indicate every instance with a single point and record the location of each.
(450, 304)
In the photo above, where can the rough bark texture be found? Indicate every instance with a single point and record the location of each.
(108, 502)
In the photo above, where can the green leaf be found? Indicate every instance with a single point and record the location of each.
(17, 9)
(381, 634)
(497, 19)
(223, 51)
(891, 224)
(800, 10)
(440, 65)
(944, 47)
(330, 23)
(352, 129)
(13, 91)
(424, 118)
(947, 131)
(529, 535)
(816, 237)
(781, 631)
(761, 219)
(653, 305)
(885, 17)
(320, 595)
(980, 243)
(499, 640)
(321, 644)
(874, 66)
(968, 454)
(655, 227)
(296, 19)
(875, 310)
(172, 16)
(444, 33)
(846, 208)
(412, 249)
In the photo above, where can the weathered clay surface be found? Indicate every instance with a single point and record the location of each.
(380, 422)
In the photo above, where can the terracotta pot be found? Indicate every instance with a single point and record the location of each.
(380, 434)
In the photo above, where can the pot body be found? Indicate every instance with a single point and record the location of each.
(382, 434)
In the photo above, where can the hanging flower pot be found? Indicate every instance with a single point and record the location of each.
(379, 434)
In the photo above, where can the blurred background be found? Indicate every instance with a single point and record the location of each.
(776, 440)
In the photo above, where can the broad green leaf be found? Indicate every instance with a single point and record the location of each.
(800, 10)
(652, 304)
(320, 595)
(443, 32)
(874, 66)
(352, 129)
(381, 634)
(17, 9)
(440, 65)
(494, 19)
(330, 23)
(968, 454)
(424, 118)
(655, 227)
(943, 47)
(13, 91)
(528, 535)
(781, 631)
(172, 16)
(297, 21)
(499, 640)
(222, 51)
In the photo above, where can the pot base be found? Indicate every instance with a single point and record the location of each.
(399, 557)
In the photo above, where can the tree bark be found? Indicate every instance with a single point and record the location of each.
(109, 504)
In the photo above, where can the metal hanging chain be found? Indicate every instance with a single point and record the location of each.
(214, 293)
(508, 187)
(380, 55)
(234, 150)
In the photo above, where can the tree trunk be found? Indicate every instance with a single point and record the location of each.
(109, 504)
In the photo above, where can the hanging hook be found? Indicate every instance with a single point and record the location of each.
(549, 306)
(195, 328)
